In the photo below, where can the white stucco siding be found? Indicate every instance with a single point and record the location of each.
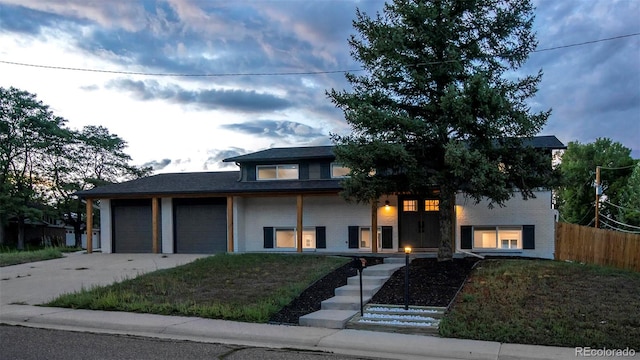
(517, 212)
(105, 228)
(332, 212)
(166, 206)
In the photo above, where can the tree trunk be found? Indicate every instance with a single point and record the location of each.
(77, 233)
(447, 203)
(20, 233)
(3, 224)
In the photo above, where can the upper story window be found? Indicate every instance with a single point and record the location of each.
(277, 172)
(339, 171)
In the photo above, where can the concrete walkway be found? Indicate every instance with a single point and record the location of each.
(22, 286)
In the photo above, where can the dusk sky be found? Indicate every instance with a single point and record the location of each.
(269, 63)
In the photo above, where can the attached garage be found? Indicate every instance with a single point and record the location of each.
(200, 225)
(132, 226)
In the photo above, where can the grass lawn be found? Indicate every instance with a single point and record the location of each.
(548, 303)
(14, 257)
(246, 287)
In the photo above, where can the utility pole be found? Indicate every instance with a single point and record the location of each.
(598, 194)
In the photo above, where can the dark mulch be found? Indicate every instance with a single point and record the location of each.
(431, 283)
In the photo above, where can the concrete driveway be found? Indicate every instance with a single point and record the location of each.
(39, 282)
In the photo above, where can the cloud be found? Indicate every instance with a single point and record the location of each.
(276, 129)
(207, 99)
(157, 165)
(216, 156)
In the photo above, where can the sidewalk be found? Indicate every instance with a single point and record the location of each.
(348, 342)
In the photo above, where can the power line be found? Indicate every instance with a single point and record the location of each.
(53, 67)
(586, 43)
(617, 168)
(621, 207)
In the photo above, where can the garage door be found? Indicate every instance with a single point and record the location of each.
(200, 225)
(132, 226)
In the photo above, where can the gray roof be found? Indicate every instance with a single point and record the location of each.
(228, 182)
(326, 152)
(544, 142)
(286, 154)
(209, 183)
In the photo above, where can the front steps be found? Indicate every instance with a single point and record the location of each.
(338, 310)
(394, 318)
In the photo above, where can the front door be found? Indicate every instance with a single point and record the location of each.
(419, 222)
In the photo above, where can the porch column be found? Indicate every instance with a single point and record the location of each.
(230, 224)
(89, 226)
(154, 224)
(299, 224)
(374, 226)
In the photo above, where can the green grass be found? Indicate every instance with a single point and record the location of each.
(9, 256)
(247, 287)
(548, 303)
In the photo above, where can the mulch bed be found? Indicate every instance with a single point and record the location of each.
(431, 283)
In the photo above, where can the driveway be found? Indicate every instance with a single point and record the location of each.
(39, 282)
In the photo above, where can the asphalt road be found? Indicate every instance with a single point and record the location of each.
(24, 343)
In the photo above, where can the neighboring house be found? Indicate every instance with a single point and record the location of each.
(44, 231)
(287, 199)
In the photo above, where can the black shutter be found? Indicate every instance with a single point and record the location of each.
(325, 171)
(321, 237)
(528, 237)
(303, 171)
(251, 171)
(353, 237)
(466, 237)
(268, 237)
(387, 237)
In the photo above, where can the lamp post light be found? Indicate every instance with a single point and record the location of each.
(407, 252)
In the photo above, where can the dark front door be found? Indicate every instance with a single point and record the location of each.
(419, 222)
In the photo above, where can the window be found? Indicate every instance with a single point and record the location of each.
(360, 237)
(409, 205)
(285, 238)
(339, 171)
(431, 205)
(277, 172)
(497, 237)
(365, 238)
(309, 238)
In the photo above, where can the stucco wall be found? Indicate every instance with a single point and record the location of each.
(105, 228)
(166, 229)
(253, 214)
(536, 212)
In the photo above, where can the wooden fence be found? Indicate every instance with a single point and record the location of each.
(597, 246)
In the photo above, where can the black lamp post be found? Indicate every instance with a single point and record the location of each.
(407, 251)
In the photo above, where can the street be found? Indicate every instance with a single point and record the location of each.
(24, 343)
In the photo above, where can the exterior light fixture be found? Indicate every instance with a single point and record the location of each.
(386, 204)
(407, 250)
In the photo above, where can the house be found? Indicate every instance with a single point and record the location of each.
(287, 199)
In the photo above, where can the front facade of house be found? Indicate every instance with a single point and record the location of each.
(287, 199)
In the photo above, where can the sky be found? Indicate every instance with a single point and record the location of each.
(269, 64)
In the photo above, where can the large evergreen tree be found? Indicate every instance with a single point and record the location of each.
(441, 107)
